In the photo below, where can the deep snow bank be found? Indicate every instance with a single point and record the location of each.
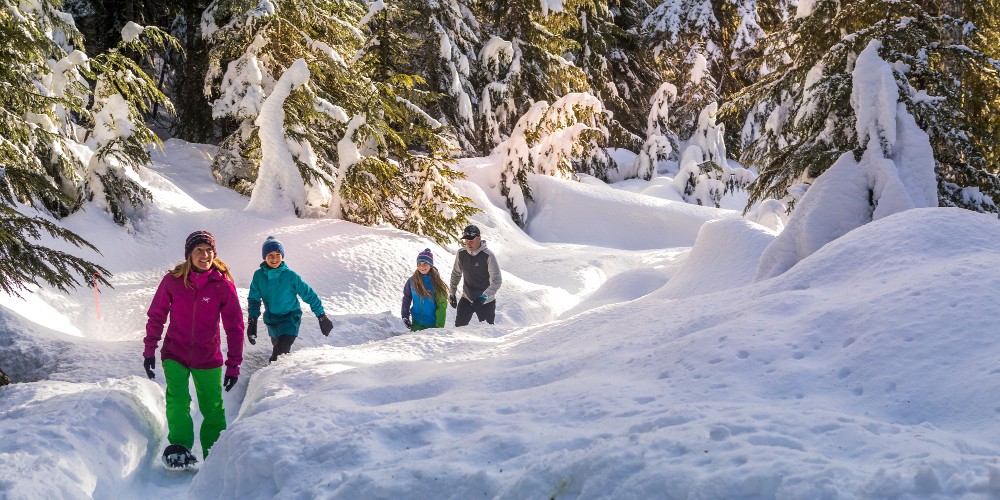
(76, 440)
(618, 219)
(724, 256)
(847, 377)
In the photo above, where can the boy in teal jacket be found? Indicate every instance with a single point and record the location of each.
(280, 288)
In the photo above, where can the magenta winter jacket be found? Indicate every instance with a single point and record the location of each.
(193, 337)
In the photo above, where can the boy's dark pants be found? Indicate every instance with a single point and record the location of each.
(282, 345)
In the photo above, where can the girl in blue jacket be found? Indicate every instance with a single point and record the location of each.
(425, 296)
(280, 288)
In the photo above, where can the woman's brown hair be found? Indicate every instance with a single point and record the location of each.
(417, 284)
(184, 270)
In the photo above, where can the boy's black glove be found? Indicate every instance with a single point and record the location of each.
(252, 330)
(325, 325)
(149, 364)
(452, 300)
(229, 382)
(407, 322)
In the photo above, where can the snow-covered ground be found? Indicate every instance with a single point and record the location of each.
(633, 357)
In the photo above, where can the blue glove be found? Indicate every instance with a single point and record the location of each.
(482, 299)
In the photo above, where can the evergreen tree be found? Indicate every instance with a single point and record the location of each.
(619, 71)
(560, 140)
(24, 178)
(279, 185)
(893, 173)
(574, 131)
(101, 21)
(27, 263)
(179, 74)
(801, 119)
(39, 105)
(123, 94)
(537, 69)
(740, 33)
(517, 159)
(34, 128)
(709, 48)
(250, 44)
(446, 33)
(111, 16)
(357, 130)
(980, 98)
(660, 140)
(705, 174)
(44, 120)
(434, 208)
(684, 36)
(497, 107)
(111, 128)
(743, 24)
(403, 173)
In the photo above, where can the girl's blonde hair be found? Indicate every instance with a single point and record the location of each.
(417, 284)
(184, 269)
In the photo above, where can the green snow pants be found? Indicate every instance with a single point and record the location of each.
(208, 387)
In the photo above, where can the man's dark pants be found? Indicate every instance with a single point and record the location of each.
(485, 312)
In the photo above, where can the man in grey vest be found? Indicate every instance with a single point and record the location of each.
(478, 266)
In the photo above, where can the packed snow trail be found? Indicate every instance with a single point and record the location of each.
(362, 301)
(632, 356)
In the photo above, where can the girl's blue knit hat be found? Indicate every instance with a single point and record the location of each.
(272, 245)
(426, 256)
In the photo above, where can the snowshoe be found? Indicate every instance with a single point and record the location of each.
(177, 456)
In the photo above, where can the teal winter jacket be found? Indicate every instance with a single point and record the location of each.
(280, 289)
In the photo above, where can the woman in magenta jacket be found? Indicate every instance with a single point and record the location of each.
(194, 296)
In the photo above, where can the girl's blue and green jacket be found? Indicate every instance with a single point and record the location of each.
(280, 289)
(426, 312)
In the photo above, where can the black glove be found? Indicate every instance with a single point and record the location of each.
(229, 382)
(252, 330)
(482, 299)
(407, 322)
(149, 364)
(452, 300)
(325, 325)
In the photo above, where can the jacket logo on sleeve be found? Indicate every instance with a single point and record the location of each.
(206, 299)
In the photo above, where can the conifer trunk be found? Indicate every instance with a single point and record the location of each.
(194, 114)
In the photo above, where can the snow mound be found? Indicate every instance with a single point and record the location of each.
(85, 438)
(724, 256)
(913, 240)
(559, 205)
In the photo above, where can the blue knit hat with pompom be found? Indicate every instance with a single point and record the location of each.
(272, 245)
